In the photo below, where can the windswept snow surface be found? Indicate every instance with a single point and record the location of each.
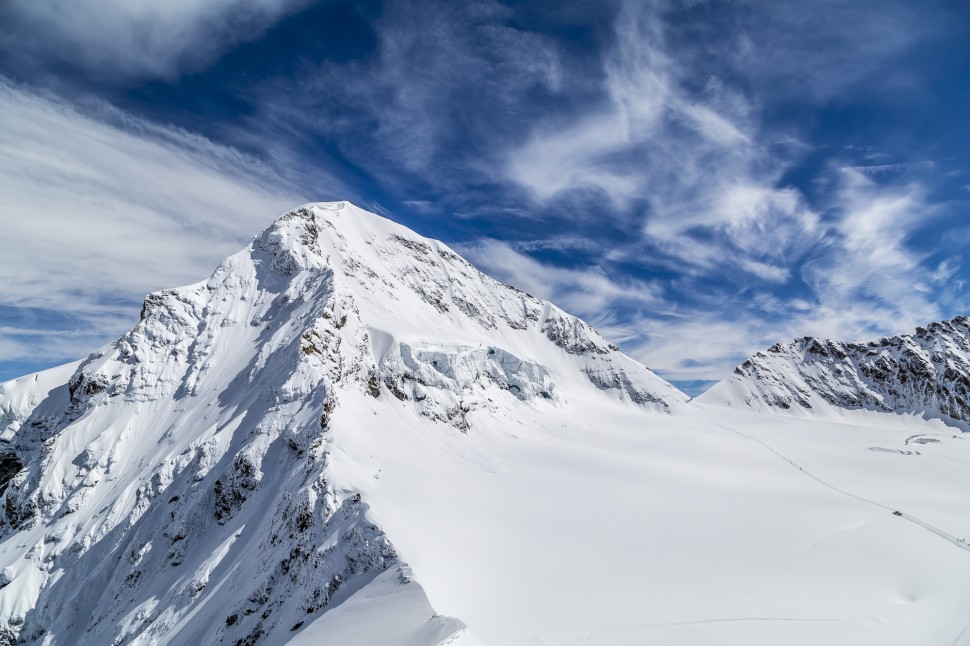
(348, 435)
(596, 526)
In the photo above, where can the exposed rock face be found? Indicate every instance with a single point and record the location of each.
(192, 455)
(927, 371)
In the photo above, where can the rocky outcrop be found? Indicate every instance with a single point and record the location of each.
(927, 371)
(176, 486)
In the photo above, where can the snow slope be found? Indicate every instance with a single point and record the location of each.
(183, 472)
(348, 435)
(590, 526)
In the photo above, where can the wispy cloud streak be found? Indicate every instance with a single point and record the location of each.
(99, 209)
(120, 38)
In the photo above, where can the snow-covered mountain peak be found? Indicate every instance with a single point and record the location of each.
(371, 300)
(924, 372)
(347, 434)
(204, 438)
(412, 297)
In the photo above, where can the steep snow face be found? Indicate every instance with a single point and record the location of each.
(41, 398)
(347, 435)
(927, 372)
(177, 486)
(433, 321)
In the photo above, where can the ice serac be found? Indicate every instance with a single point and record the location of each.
(926, 372)
(177, 485)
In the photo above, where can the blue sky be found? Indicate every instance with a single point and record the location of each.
(698, 179)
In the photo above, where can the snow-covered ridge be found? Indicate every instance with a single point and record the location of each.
(348, 435)
(926, 372)
(182, 474)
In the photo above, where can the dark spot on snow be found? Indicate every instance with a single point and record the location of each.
(374, 386)
(10, 465)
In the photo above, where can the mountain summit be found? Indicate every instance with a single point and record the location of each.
(349, 436)
(182, 477)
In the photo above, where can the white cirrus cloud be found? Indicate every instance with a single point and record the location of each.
(99, 208)
(696, 159)
(443, 75)
(134, 38)
(586, 292)
(870, 278)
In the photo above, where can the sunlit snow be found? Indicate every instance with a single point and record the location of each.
(349, 435)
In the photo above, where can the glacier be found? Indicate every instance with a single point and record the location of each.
(350, 435)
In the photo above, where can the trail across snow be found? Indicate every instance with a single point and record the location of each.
(349, 435)
(590, 527)
(954, 540)
(963, 636)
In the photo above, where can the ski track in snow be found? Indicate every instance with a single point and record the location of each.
(950, 538)
(962, 637)
(344, 400)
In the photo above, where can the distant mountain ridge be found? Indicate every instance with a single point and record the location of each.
(927, 371)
